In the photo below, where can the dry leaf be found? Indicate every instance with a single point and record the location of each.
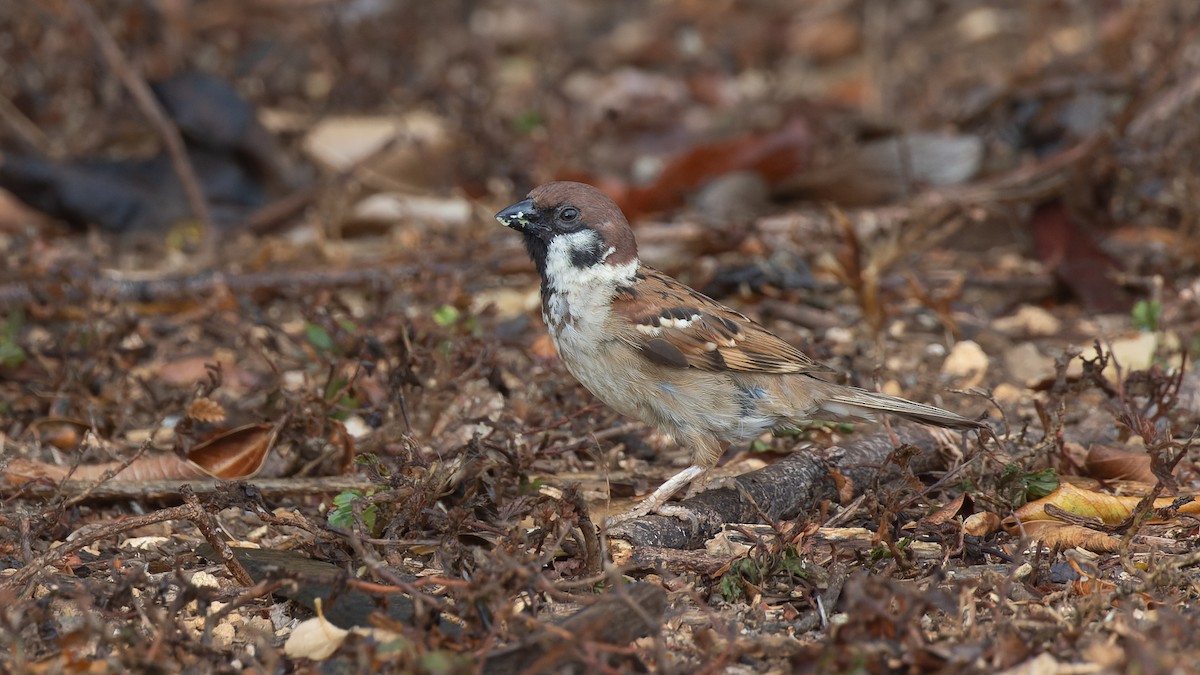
(958, 508)
(235, 454)
(1105, 462)
(144, 468)
(1055, 533)
(20, 471)
(1110, 509)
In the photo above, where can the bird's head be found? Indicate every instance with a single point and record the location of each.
(570, 228)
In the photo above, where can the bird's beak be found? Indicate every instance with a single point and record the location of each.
(518, 216)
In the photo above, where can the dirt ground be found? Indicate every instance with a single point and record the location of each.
(252, 294)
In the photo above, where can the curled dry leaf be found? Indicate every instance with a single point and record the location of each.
(1065, 246)
(887, 169)
(958, 508)
(236, 454)
(341, 441)
(844, 485)
(20, 470)
(186, 371)
(1109, 463)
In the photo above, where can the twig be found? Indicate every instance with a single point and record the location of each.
(150, 490)
(204, 523)
(24, 127)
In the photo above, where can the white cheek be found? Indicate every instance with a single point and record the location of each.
(565, 276)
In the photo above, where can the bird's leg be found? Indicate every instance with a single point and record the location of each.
(708, 457)
(657, 501)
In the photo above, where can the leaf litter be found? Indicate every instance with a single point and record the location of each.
(404, 466)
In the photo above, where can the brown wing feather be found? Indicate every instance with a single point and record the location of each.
(674, 325)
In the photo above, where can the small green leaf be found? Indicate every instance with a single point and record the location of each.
(793, 564)
(731, 588)
(879, 552)
(11, 354)
(443, 662)
(446, 316)
(318, 337)
(758, 445)
(531, 486)
(1147, 315)
(343, 516)
(528, 121)
(1038, 484)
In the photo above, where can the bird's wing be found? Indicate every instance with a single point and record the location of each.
(674, 325)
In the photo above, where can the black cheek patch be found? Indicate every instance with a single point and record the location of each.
(587, 257)
(662, 352)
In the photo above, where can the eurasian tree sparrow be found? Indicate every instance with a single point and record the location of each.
(657, 351)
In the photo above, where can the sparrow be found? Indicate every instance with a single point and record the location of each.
(657, 351)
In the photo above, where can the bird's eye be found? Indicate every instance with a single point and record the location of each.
(569, 214)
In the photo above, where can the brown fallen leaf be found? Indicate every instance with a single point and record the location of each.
(157, 467)
(1079, 263)
(1105, 462)
(958, 508)
(235, 454)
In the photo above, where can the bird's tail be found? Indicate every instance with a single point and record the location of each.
(855, 403)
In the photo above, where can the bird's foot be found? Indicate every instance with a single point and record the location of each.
(666, 510)
(657, 501)
(679, 512)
